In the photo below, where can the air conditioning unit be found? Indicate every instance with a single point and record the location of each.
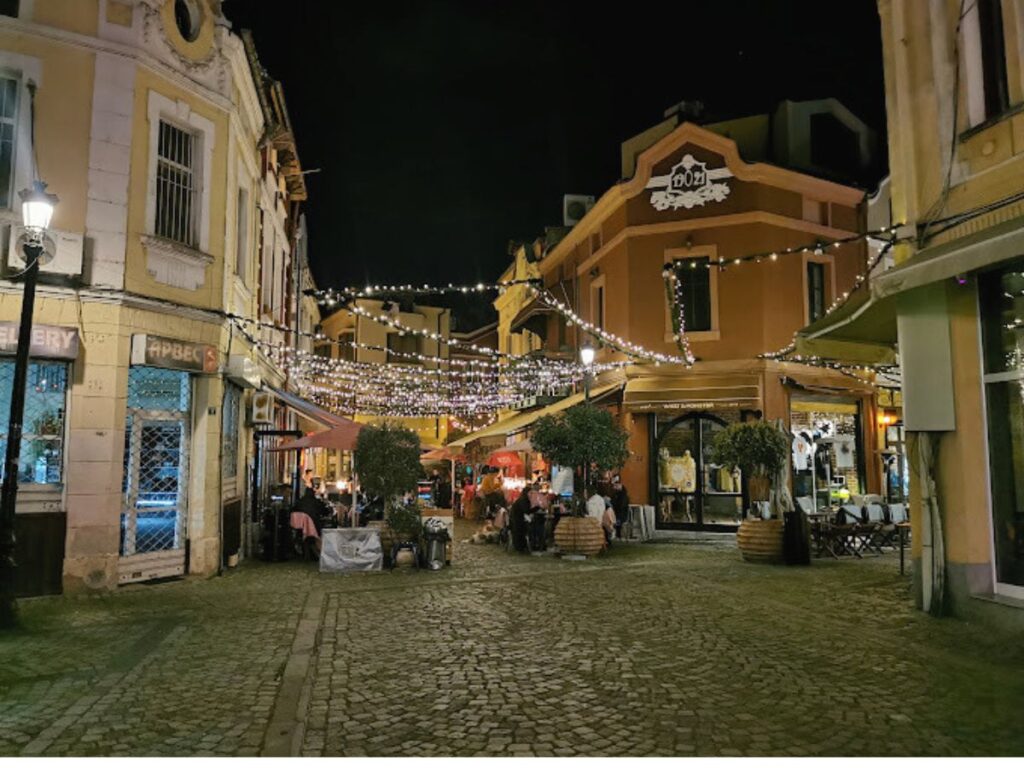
(575, 207)
(262, 408)
(62, 251)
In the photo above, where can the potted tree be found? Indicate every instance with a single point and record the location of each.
(387, 456)
(590, 441)
(760, 451)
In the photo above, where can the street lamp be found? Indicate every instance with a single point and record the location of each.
(36, 211)
(587, 358)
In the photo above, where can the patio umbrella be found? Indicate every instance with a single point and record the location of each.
(340, 438)
(504, 459)
(441, 454)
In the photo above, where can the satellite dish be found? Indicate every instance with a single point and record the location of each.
(49, 249)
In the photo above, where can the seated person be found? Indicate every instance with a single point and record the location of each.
(517, 515)
(608, 521)
(490, 488)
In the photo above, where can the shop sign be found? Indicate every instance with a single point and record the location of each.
(47, 341)
(172, 353)
(690, 183)
(697, 405)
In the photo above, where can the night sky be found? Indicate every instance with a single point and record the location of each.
(444, 130)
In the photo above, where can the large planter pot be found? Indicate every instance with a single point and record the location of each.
(760, 541)
(579, 536)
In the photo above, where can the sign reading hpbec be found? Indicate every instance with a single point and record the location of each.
(51, 342)
(172, 353)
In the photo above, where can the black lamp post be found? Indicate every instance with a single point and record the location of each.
(587, 358)
(36, 210)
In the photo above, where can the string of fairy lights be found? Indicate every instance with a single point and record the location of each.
(471, 390)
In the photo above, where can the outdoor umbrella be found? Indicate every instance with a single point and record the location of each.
(340, 438)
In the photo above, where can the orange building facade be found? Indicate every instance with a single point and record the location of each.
(693, 201)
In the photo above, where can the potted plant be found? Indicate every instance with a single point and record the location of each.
(760, 451)
(590, 441)
(406, 526)
(387, 458)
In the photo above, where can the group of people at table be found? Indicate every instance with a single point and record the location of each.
(607, 502)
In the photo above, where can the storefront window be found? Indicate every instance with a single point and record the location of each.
(1002, 312)
(42, 439)
(827, 461)
(692, 490)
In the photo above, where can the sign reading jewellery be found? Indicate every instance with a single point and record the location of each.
(49, 341)
(690, 183)
(172, 353)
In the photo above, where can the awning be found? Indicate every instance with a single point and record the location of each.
(340, 438)
(990, 246)
(692, 392)
(307, 409)
(512, 424)
(862, 330)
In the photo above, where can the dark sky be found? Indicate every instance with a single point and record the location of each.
(445, 129)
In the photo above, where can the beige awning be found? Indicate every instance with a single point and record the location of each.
(861, 331)
(520, 421)
(991, 245)
(692, 392)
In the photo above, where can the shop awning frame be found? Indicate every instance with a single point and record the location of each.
(308, 409)
(520, 421)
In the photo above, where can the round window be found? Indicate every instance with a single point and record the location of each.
(186, 16)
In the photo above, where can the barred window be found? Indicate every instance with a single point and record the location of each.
(8, 129)
(42, 437)
(229, 431)
(177, 199)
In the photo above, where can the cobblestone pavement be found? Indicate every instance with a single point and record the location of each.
(671, 649)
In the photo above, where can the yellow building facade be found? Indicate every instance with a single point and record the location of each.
(954, 82)
(150, 126)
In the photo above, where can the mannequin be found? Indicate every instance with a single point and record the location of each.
(688, 479)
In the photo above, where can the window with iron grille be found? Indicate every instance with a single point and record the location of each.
(229, 431)
(42, 436)
(177, 199)
(8, 129)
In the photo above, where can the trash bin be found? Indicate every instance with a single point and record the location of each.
(435, 535)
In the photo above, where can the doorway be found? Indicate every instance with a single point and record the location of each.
(155, 486)
(692, 492)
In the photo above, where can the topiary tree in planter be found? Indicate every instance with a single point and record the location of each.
(757, 448)
(387, 459)
(581, 437)
(760, 450)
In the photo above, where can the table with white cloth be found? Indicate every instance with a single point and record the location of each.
(346, 550)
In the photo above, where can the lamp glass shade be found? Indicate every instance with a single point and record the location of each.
(37, 207)
(586, 355)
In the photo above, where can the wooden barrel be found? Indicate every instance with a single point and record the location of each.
(760, 541)
(579, 536)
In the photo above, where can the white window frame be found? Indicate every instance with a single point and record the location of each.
(22, 69)
(179, 113)
(709, 252)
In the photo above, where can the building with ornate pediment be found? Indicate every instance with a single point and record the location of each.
(694, 205)
(180, 188)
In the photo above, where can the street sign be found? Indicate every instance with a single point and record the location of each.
(48, 341)
(172, 353)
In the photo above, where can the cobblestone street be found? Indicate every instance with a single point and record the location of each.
(655, 649)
